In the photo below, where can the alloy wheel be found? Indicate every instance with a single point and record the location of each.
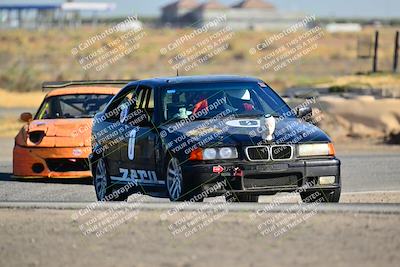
(174, 179)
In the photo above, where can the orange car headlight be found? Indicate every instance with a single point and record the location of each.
(36, 136)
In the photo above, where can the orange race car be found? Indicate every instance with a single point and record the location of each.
(56, 142)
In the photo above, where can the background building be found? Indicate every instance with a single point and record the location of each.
(247, 14)
(176, 13)
(49, 15)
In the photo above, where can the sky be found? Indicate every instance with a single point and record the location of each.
(321, 8)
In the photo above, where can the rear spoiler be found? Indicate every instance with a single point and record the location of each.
(63, 84)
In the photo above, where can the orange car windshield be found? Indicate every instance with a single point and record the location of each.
(72, 106)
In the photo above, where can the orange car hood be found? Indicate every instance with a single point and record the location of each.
(61, 132)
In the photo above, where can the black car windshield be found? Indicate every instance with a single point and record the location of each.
(72, 106)
(206, 100)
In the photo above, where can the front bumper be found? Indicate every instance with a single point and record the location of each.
(264, 177)
(51, 162)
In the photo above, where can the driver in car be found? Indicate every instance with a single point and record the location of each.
(197, 100)
(237, 99)
(240, 99)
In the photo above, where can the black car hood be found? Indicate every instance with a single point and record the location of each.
(239, 131)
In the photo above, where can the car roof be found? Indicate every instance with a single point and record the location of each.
(164, 81)
(73, 90)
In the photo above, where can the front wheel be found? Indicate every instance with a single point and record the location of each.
(331, 196)
(176, 188)
(102, 184)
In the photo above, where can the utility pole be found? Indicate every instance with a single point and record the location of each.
(396, 52)
(375, 61)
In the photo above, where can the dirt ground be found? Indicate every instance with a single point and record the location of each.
(54, 238)
(370, 197)
(353, 197)
(360, 118)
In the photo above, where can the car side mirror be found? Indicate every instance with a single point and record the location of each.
(304, 113)
(26, 117)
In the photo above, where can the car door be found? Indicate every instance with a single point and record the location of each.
(138, 147)
(113, 130)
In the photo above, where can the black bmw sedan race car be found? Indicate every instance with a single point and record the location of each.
(192, 137)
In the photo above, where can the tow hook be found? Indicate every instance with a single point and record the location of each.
(237, 172)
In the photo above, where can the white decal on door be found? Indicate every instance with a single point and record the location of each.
(142, 177)
(131, 144)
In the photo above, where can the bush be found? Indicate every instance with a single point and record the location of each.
(393, 138)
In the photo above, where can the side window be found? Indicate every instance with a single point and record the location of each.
(144, 107)
(150, 103)
(140, 94)
(44, 111)
(126, 106)
(134, 107)
(121, 104)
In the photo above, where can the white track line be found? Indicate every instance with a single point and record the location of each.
(371, 192)
(233, 207)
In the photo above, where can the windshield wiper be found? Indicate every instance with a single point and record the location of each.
(84, 116)
(203, 118)
(248, 115)
(256, 115)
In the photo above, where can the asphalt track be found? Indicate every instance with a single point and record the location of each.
(41, 220)
(231, 207)
(361, 172)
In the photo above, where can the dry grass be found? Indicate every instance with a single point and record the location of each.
(10, 123)
(384, 81)
(29, 57)
(9, 127)
(20, 100)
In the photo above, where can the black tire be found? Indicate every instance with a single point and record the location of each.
(177, 187)
(241, 198)
(102, 179)
(326, 196)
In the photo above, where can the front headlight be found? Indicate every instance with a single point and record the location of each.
(228, 153)
(209, 153)
(309, 150)
(214, 153)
